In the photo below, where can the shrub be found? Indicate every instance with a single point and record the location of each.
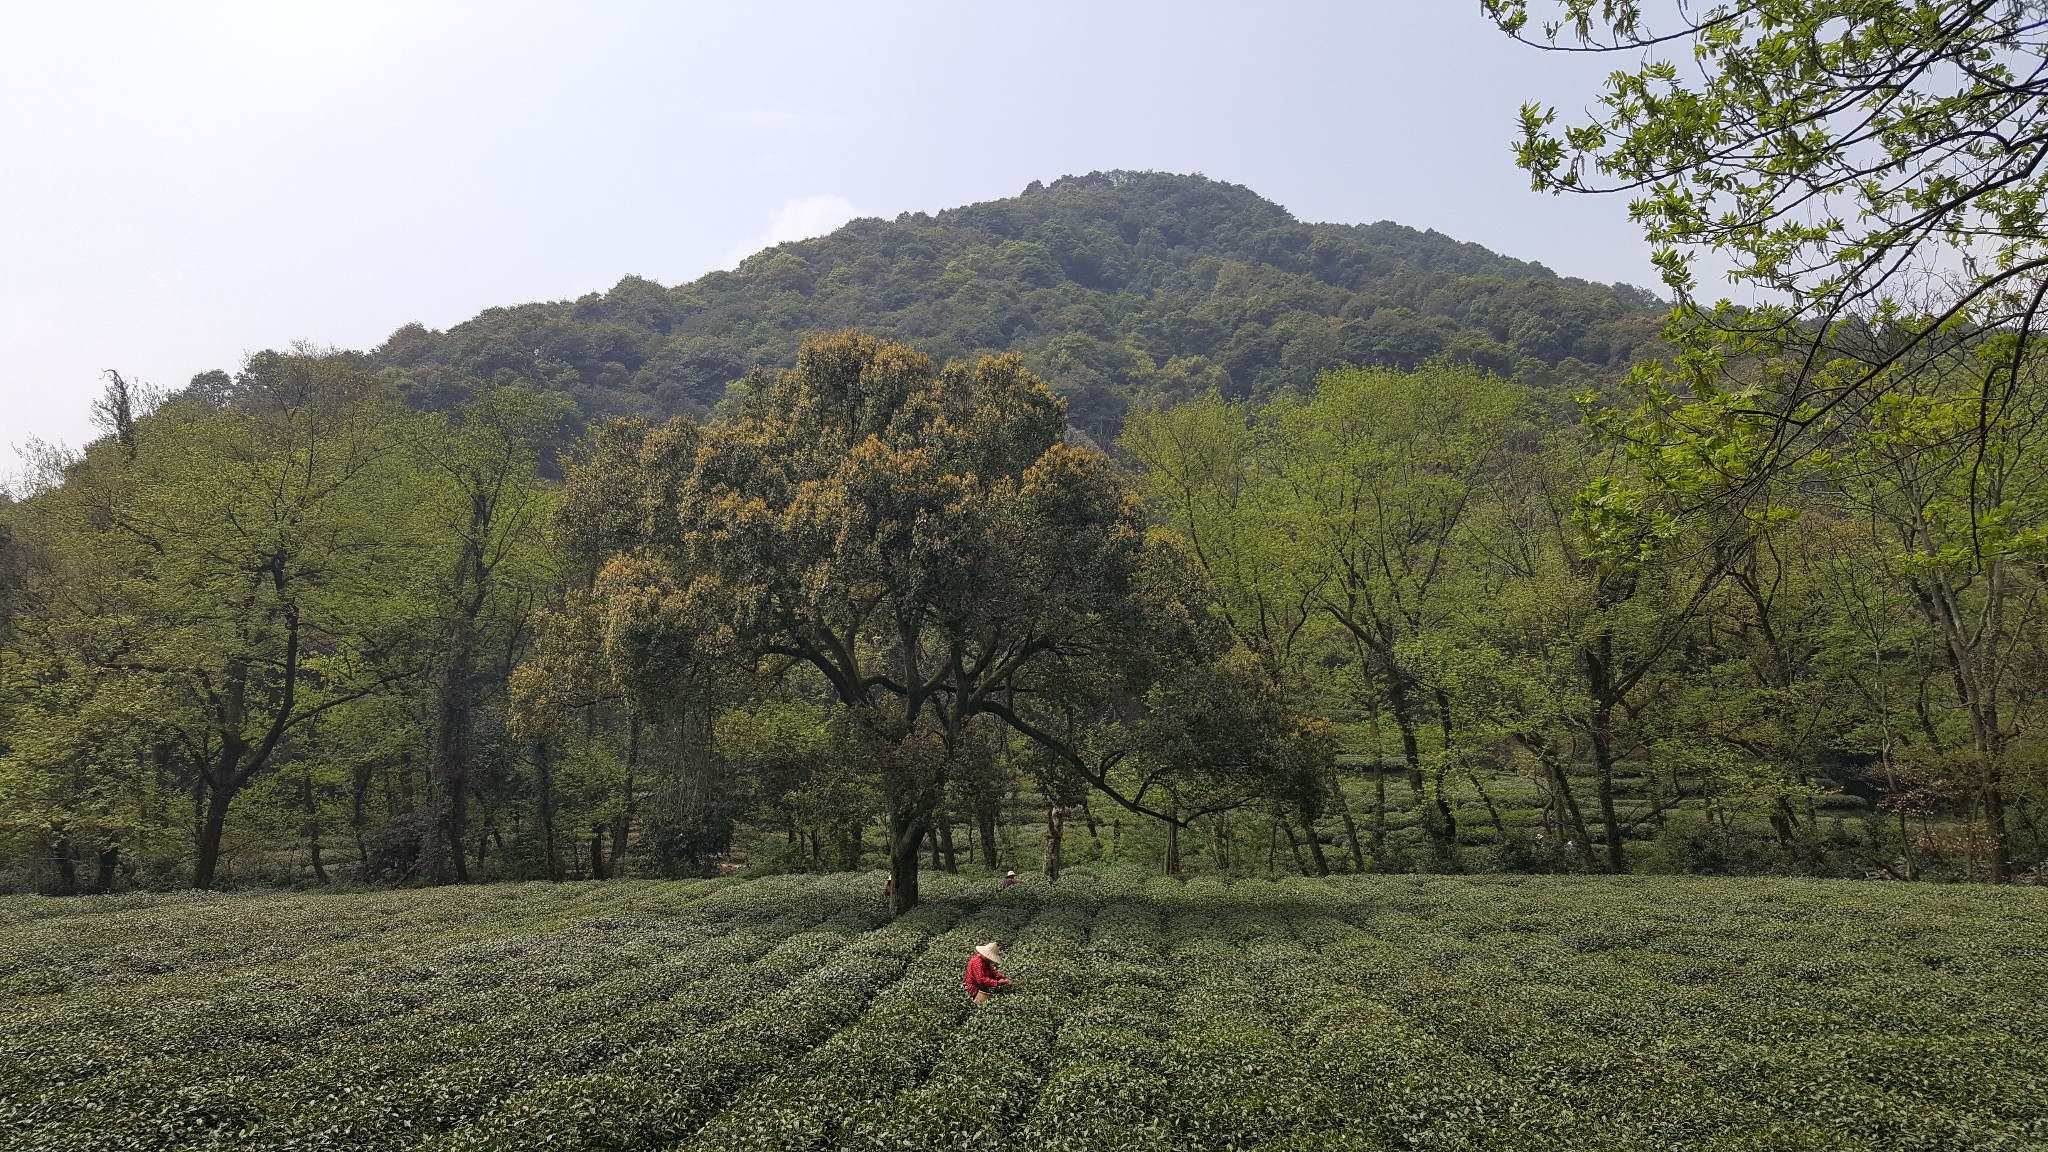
(1372, 1012)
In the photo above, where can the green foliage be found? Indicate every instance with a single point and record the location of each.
(925, 545)
(1333, 525)
(1818, 142)
(1870, 167)
(208, 585)
(250, 611)
(877, 588)
(1117, 288)
(1518, 608)
(784, 1013)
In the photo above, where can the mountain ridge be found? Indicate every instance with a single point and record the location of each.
(1118, 287)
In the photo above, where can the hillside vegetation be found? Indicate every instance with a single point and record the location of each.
(1116, 287)
(1361, 1013)
(340, 617)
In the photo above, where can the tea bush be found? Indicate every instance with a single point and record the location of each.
(790, 1013)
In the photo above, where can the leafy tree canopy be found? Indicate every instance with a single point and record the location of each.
(1871, 167)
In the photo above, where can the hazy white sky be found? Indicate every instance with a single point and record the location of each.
(181, 184)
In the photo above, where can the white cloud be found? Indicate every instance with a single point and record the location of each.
(799, 220)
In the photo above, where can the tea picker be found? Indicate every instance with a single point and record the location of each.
(983, 979)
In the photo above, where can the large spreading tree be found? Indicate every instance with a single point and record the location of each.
(918, 538)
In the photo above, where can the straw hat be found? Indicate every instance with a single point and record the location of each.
(988, 952)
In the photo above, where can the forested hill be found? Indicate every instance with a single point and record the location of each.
(1114, 286)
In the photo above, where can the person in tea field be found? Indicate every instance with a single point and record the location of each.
(982, 979)
(1009, 878)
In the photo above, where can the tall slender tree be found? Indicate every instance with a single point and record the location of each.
(491, 508)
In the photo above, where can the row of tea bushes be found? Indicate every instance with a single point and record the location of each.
(1230, 1056)
(657, 1095)
(376, 958)
(890, 1049)
(986, 1075)
(281, 1010)
(139, 938)
(443, 1004)
(1795, 1015)
(411, 1090)
(1350, 1013)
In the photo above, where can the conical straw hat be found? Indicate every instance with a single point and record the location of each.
(988, 950)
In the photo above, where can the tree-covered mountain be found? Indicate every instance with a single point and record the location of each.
(1116, 287)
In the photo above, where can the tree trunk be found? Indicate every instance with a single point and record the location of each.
(985, 814)
(1222, 845)
(448, 758)
(1350, 825)
(1379, 809)
(597, 852)
(1442, 833)
(1782, 821)
(1603, 763)
(1054, 832)
(67, 872)
(313, 851)
(311, 828)
(1379, 782)
(1315, 846)
(109, 864)
(544, 772)
(1906, 845)
(1411, 748)
(906, 836)
(1583, 841)
(1294, 846)
(1173, 840)
(946, 843)
(622, 824)
(1444, 828)
(210, 831)
(358, 813)
(1994, 822)
(1974, 668)
(1491, 812)
(228, 772)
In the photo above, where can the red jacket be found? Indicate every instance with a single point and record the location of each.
(982, 975)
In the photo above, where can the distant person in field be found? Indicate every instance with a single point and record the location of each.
(982, 978)
(1009, 879)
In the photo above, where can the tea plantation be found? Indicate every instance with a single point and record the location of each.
(789, 1012)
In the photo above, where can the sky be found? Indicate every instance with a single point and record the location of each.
(181, 185)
